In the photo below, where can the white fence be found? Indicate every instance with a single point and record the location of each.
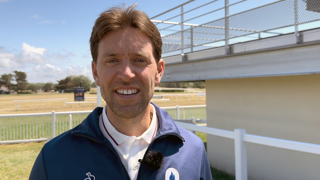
(17, 128)
(241, 138)
(43, 126)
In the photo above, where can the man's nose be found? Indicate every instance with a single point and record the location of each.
(126, 72)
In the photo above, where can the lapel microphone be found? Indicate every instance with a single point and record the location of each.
(153, 159)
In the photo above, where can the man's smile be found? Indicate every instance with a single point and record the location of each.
(127, 91)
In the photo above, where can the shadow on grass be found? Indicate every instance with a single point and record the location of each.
(220, 175)
(216, 174)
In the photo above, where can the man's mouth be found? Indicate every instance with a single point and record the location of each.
(127, 91)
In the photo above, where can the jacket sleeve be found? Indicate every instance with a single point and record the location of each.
(38, 171)
(205, 167)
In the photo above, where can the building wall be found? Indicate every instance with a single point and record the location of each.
(286, 107)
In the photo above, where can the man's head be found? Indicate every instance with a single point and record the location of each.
(117, 18)
(125, 63)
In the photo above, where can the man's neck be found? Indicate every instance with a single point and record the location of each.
(131, 126)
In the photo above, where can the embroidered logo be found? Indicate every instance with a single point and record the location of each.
(90, 176)
(172, 174)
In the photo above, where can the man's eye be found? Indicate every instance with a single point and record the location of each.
(140, 60)
(111, 61)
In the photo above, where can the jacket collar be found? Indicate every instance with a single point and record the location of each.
(90, 126)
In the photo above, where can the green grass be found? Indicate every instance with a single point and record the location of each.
(16, 160)
(35, 127)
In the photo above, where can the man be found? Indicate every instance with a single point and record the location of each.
(130, 138)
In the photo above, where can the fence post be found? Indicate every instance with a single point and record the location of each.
(182, 30)
(177, 112)
(240, 154)
(53, 123)
(193, 121)
(226, 16)
(70, 121)
(98, 96)
(296, 22)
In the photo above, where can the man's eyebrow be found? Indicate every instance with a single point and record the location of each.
(141, 55)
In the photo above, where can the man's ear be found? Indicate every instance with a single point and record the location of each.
(160, 71)
(95, 72)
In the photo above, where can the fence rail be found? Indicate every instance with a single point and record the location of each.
(222, 23)
(20, 128)
(241, 138)
(17, 128)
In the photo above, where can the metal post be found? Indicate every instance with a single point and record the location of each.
(98, 97)
(193, 121)
(53, 123)
(227, 47)
(191, 43)
(182, 28)
(177, 112)
(240, 155)
(296, 22)
(70, 121)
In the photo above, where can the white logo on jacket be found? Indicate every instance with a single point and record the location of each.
(90, 176)
(172, 174)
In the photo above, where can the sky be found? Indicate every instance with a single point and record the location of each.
(49, 40)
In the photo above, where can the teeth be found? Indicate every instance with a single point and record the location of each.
(127, 92)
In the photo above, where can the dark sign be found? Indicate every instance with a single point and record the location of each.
(79, 94)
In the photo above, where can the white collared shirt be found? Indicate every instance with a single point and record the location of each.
(129, 148)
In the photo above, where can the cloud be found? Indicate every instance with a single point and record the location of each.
(52, 22)
(31, 54)
(46, 22)
(51, 73)
(7, 61)
(62, 56)
(36, 16)
(40, 65)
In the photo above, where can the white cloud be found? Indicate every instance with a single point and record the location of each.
(62, 56)
(7, 61)
(40, 65)
(36, 16)
(51, 73)
(31, 54)
(46, 22)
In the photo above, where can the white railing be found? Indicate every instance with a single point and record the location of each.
(43, 126)
(18, 128)
(241, 138)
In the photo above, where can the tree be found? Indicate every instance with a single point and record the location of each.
(6, 80)
(21, 80)
(47, 87)
(32, 87)
(81, 81)
(65, 85)
(93, 84)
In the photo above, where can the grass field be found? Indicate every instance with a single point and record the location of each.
(9, 106)
(16, 161)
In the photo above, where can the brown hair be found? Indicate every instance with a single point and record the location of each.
(117, 18)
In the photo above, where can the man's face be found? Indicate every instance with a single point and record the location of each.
(126, 71)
